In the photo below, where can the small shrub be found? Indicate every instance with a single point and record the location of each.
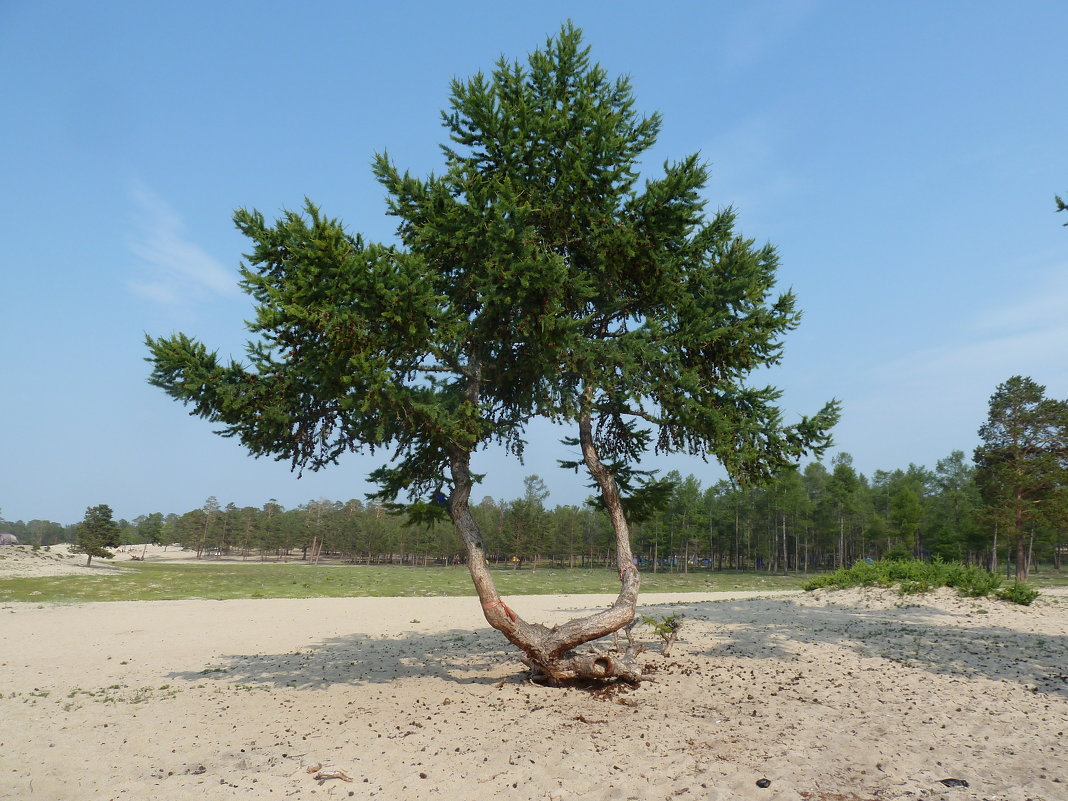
(667, 627)
(913, 576)
(1018, 593)
(975, 582)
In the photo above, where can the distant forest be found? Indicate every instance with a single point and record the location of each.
(812, 518)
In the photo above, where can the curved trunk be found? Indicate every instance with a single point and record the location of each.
(549, 651)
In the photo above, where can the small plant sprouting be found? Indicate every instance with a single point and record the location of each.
(667, 627)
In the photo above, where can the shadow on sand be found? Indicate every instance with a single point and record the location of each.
(461, 656)
(917, 635)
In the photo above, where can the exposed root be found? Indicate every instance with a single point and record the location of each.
(592, 666)
(323, 775)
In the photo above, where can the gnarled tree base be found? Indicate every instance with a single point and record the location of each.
(549, 652)
(595, 665)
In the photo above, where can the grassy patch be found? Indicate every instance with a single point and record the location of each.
(913, 576)
(1047, 577)
(161, 581)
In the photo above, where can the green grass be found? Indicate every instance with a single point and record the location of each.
(1046, 577)
(163, 581)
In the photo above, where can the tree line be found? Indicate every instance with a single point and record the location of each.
(810, 518)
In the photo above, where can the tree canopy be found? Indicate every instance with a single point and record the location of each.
(97, 533)
(1023, 461)
(533, 277)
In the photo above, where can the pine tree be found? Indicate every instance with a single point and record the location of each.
(534, 278)
(1022, 463)
(96, 534)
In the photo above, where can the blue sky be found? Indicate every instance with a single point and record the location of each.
(902, 156)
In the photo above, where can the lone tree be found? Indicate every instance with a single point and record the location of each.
(533, 279)
(96, 534)
(1022, 463)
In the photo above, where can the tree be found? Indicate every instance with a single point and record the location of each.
(1022, 463)
(533, 278)
(954, 507)
(96, 534)
(842, 496)
(528, 522)
(906, 514)
(150, 528)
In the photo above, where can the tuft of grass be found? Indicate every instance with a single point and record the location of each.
(913, 576)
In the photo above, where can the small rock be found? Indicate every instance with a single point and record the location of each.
(763, 783)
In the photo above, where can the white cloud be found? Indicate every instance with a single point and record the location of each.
(173, 267)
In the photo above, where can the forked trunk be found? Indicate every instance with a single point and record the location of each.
(549, 652)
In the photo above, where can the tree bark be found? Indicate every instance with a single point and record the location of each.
(549, 652)
(1021, 545)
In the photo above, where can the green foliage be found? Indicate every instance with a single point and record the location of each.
(898, 553)
(533, 278)
(1018, 593)
(1022, 463)
(911, 576)
(97, 533)
(643, 493)
(664, 626)
(668, 629)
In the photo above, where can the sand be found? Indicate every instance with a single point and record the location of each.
(23, 561)
(845, 696)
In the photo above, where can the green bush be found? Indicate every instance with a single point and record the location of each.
(913, 576)
(975, 582)
(1018, 593)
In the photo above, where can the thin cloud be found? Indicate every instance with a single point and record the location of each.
(173, 268)
(757, 30)
(747, 169)
(1041, 310)
(931, 401)
(1025, 335)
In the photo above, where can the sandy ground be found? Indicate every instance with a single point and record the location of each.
(57, 560)
(847, 696)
